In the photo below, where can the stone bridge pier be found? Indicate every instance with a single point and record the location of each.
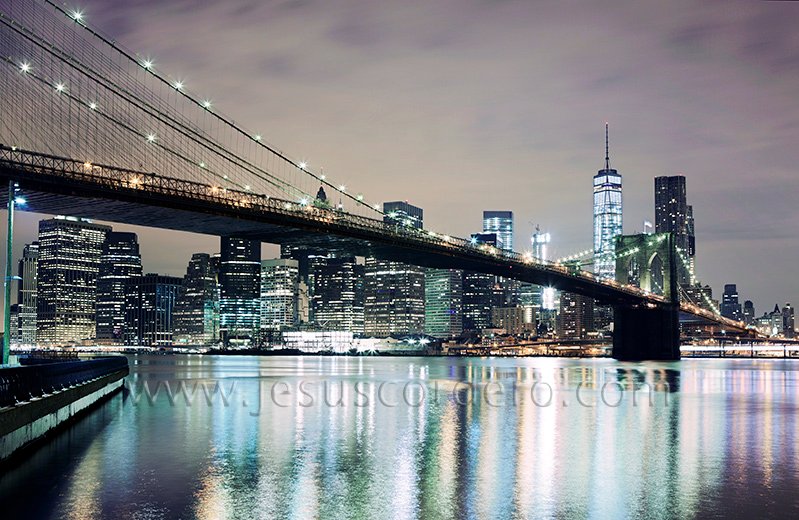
(646, 331)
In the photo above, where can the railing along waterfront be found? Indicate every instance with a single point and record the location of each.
(23, 383)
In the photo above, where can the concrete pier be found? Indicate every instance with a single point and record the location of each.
(37, 399)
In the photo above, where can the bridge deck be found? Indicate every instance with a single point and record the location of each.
(54, 185)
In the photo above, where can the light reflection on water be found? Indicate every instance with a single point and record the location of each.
(530, 438)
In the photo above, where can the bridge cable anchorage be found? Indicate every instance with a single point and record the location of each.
(249, 136)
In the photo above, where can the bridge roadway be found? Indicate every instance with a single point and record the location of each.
(63, 186)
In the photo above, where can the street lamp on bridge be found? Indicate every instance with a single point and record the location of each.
(14, 199)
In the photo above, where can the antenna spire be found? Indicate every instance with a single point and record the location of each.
(607, 152)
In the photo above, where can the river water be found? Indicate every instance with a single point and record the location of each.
(377, 437)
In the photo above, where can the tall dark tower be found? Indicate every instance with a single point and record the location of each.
(674, 215)
(120, 261)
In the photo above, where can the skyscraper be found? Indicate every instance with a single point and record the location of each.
(307, 260)
(26, 297)
(730, 307)
(403, 213)
(513, 320)
(749, 312)
(501, 223)
(149, 301)
(394, 291)
(195, 316)
(607, 216)
(338, 294)
(674, 215)
(478, 291)
(279, 285)
(531, 295)
(443, 303)
(691, 230)
(576, 317)
(119, 261)
(239, 291)
(66, 290)
(788, 325)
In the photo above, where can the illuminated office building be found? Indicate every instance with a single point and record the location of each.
(394, 291)
(120, 261)
(307, 261)
(66, 289)
(149, 302)
(195, 316)
(26, 296)
(239, 291)
(279, 286)
(443, 303)
(500, 223)
(576, 317)
(338, 294)
(607, 216)
(478, 291)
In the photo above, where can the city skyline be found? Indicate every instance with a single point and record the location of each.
(547, 153)
(347, 258)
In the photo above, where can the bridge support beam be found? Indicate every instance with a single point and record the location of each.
(642, 333)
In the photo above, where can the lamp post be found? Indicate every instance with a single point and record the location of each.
(13, 200)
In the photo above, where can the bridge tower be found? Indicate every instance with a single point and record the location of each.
(647, 331)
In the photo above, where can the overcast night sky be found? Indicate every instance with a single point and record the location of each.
(461, 106)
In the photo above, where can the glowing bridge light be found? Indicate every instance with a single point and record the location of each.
(304, 201)
(342, 188)
(360, 197)
(202, 164)
(150, 138)
(322, 177)
(25, 66)
(376, 207)
(93, 105)
(60, 87)
(20, 201)
(87, 164)
(147, 64)
(303, 165)
(257, 137)
(77, 16)
(206, 104)
(247, 187)
(178, 85)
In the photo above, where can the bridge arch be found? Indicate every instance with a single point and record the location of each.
(656, 276)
